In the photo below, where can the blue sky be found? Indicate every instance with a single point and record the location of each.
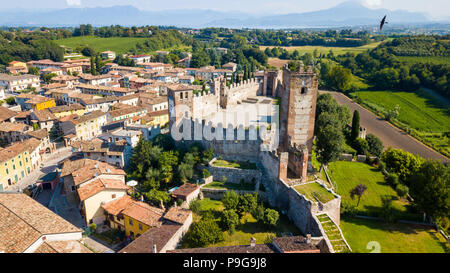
(438, 9)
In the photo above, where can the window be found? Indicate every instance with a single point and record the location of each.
(140, 226)
(74, 188)
(130, 222)
(113, 196)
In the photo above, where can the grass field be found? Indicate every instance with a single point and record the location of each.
(326, 49)
(234, 164)
(230, 186)
(347, 175)
(119, 45)
(249, 227)
(392, 238)
(433, 59)
(315, 190)
(425, 114)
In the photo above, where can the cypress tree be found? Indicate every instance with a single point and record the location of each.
(92, 66)
(355, 125)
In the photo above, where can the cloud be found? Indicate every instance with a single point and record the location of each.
(73, 2)
(373, 3)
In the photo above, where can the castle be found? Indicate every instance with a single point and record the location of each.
(292, 133)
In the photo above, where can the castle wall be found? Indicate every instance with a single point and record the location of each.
(205, 105)
(237, 92)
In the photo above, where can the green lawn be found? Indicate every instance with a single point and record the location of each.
(392, 238)
(347, 175)
(248, 227)
(326, 49)
(235, 164)
(230, 186)
(311, 190)
(119, 45)
(426, 116)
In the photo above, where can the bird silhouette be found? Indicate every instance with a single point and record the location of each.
(383, 21)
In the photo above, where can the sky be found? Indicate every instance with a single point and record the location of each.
(437, 9)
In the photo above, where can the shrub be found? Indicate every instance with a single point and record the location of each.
(230, 200)
(230, 220)
(204, 232)
(195, 206)
(258, 213)
(348, 209)
(205, 173)
(381, 166)
(402, 190)
(271, 217)
(392, 180)
(93, 226)
(375, 145)
(248, 202)
(179, 201)
(387, 209)
(361, 146)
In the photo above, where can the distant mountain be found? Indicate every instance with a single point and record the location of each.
(346, 14)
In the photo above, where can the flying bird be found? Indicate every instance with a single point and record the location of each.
(383, 21)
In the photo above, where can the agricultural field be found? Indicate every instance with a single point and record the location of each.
(426, 115)
(347, 175)
(119, 45)
(392, 237)
(432, 59)
(326, 49)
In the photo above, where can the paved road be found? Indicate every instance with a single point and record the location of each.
(48, 165)
(390, 135)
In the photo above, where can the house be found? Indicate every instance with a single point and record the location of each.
(103, 79)
(16, 67)
(37, 102)
(230, 66)
(139, 217)
(13, 132)
(143, 58)
(105, 90)
(44, 118)
(157, 118)
(67, 110)
(43, 136)
(186, 192)
(95, 103)
(113, 211)
(48, 181)
(148, 131)
(97, 149)
(20, 82)
(126, 113)
(153, 102)
(15, 164)
(34, 149)
(164, 237)
(131, 137)
(29, 227)
(111, 55)
(61, 95)
(68, 80)
(7, 114)
(83, 127)
(89, 184)
(51, 70)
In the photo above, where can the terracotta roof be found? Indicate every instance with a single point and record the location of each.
(23, 114)
(70, 246)
(85, 169)
(177, 215)
(39, 134)
(158, 236)
(258, 248)
(144, 213)
(44, 115)
(6, 113)
(64, 108)
(98, 185)
(7, 77)
(294, 244)
(13, 127)
(125, 111)
(185, 189)
(158, 113)
(75, 119)
(24, 220)
(116, 206)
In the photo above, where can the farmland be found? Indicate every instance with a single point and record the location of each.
(116, 44)
(325, 50)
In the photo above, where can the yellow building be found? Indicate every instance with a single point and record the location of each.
(156, 118)
(15, 164)
(17, 64)
(138, 217)
(67, 110)
(40, 103)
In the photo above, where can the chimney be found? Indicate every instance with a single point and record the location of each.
(154, 249)
(252, 242)
(308, 238)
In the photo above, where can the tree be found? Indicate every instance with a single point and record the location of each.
(271, 217)
(375, 145)
(230, 200)
(358, 191)
(387, 208)
(329, 144)
(361, 146)
(355, 126)
(48, 77)
(156, 197)
(392, 114)
(339, 78)
(430, 188)
(401, 162)
(186, 171)
(88, 51)
(33, 70)
(56, 134)
(247, 202)
(230, 220)
(167, 161)
(204, 232)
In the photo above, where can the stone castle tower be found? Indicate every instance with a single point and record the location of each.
(298, 107)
